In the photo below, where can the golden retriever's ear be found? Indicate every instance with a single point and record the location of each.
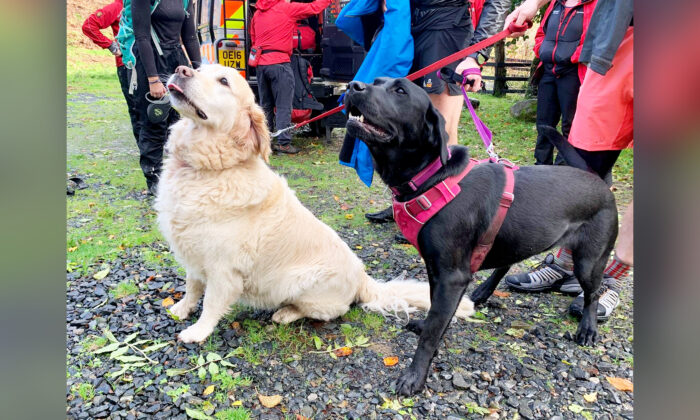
(260, 133)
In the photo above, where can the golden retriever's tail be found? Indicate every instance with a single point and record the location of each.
(402, 296)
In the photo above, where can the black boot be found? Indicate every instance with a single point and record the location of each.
(386, 215)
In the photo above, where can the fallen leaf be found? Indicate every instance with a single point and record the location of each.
(358, 246)
(344, 207)
(592, 397)
(391, 360)
(501, 294)
(236, 325)
(513, 332)
(208, 390)
(101, 274)
(111, 236)
(168, 301)
(237, 403)
(336, 198)
(349, 216)
(91, 205)
(343, 404)
(621, 384)
(343, 351)
(575, 408)
(73, 248)
(300, 417)
(270, 401)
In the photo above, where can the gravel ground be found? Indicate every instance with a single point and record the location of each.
(520, 362)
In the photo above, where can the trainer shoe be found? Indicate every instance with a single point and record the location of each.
(608, 300)
(546, 276)
(287, 149)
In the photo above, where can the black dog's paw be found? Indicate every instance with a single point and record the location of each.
(479, 298)
(415, 326)
(586, 334)
(409, 383)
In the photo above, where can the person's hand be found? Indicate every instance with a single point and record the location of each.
(114, 49)
(156, 87)
(470, 63)
(523, 13)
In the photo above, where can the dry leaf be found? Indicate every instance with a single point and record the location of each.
(168, 301)
(344, 207)
(237, 403)
(111, 236)
(343, 404)
(150, 278)
(343, 351)
(391, 360)
(349, 216)
(336, 198)
(208, 390)
(592, 397)
(236, 325)
(73, 248)
(300, 417)
(621, 384)
(501, 294)
(358, 246)
(270, 401)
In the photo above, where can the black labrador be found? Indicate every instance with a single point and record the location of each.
(554, 205)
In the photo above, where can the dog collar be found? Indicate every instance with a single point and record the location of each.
(421, 176)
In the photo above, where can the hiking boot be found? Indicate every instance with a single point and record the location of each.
(287, 149)
(386, 215)
(401, 239)
(608, 300)
(545, 277)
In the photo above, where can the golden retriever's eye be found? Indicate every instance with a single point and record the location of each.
(223, 81)
(400, 90)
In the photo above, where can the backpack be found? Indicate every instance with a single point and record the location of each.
(126, 39)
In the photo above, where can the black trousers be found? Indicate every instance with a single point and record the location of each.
(152, 136)
(556, 98)
(123, 75)
(276, 90)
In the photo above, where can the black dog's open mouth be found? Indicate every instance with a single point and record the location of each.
(178, 94)
(355, 117)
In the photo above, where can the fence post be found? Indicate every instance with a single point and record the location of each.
(531, 89)
(499, 82)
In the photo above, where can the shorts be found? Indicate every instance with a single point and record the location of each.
(433, 45)
(604, 111)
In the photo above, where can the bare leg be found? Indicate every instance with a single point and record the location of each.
(194, 288)
(222, 291)
(625, 240)
(451, 109)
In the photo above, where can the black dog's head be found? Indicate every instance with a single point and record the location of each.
(399, 124)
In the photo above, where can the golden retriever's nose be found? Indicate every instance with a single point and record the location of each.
(184, 71)
(356, 86)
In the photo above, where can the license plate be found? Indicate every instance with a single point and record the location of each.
(231, 55)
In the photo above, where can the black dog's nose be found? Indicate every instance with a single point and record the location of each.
(184, 71)
(356, 86)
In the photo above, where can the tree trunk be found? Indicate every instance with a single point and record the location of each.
(499, 84)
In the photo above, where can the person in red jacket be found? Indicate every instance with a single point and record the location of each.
(271, 32)
(104, 18)
(558, 45)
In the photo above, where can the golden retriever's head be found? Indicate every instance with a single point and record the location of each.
(223, 125)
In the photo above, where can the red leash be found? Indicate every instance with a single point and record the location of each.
(512, 28)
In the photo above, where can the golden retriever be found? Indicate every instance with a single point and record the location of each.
(239, 231)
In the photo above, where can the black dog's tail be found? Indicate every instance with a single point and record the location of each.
(565, 149)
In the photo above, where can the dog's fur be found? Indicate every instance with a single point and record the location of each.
(240, 232)
(553, 205)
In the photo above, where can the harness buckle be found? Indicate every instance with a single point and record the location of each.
(507, 199)
(424, 202)
(506, 163)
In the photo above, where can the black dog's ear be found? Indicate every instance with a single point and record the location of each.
(436, 131)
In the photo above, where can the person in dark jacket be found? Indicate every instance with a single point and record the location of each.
(558, 45)
(108, 17)
(173, 27)
(271, 32)
(602, 127)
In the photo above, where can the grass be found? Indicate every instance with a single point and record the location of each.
(123, 289)
(85, 391)
(238, 413)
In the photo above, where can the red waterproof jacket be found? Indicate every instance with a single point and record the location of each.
(272, 27)
(588, 7)
(102, 19)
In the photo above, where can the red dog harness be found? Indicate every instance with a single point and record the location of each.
(411, 215)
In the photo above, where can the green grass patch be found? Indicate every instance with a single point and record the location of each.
(85, 391)
(123, 289)
(238, 413)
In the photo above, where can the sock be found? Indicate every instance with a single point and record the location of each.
(617, 269)
(563, 259)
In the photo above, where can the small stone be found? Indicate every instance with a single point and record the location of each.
(525, 411)
(312, 397)
(486, 376)
(459, 382)
(579, 373)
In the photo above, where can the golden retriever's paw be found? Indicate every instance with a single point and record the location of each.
(194, 334)
(286, 314)
(180, 310)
